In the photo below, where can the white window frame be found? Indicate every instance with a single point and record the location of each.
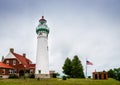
(14, 62)
(3, 71)
(7, 62)
(31, 71)
(14, 71)
(10, 71)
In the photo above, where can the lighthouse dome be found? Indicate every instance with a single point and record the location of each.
(42, 26)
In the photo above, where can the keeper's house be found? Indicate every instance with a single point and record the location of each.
(17, 64)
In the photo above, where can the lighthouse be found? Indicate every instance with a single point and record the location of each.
(42, 59)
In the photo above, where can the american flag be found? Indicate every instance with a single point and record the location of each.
(89, 63)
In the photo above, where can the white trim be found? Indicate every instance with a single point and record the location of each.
(4, 76)
(9, 55)
(3, 71)
(7, 62)
(14, 62)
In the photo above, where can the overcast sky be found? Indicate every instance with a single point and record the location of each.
(87, 28)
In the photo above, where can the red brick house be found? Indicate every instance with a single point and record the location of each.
(100, 75)
(17, 64)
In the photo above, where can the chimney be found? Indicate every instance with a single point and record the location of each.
(12, 50)
(24, 55)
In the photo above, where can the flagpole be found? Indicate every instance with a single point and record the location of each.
(86, 68)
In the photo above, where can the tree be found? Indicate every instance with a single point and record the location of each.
(115, 73)
(67, 67)
(111, 73)
(77, 68)
(73, 68)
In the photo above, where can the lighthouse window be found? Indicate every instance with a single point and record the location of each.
(47, 47)
(40, 33)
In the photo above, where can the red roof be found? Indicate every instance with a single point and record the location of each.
(22, 59)
(27, 63)
(42, 19)
(3, 65)
(31, 65)
(28, 60)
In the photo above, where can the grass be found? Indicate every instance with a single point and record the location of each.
(58, 82)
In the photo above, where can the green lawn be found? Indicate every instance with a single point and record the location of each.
(58, 82)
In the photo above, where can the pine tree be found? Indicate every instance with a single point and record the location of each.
(67, 67)
(77, 68)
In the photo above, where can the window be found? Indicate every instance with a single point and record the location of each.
(14, 71)
(14, 62)
(47, 48)
(31, 71)
(40, 33)
(3, 71)
(39, 71)
(10, 71)
(7, 62)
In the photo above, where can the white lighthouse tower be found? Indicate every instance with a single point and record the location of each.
(42, 60)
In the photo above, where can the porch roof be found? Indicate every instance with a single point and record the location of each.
(3, 65)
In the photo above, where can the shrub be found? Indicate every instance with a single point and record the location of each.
(64, 78)
(55, 75)
(32, 75)
(89, 77)
(38, 78)
(13, 76)
(68, 77)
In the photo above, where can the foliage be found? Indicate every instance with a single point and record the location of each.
(64, 78)
(32, 76)
(67, 67)
(89, 76)
(73, 68)
(13, 76)
(115, 73)
(77, 68)
(55, 75)
(38, 78)
(111, 73)
(68, 77)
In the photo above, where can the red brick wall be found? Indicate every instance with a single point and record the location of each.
(18, 66)
(6, 71)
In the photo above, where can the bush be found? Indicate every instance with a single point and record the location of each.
(55, 75)
(38, 78)
(68, 77)
(64, 78)
(13, 76)
(32, 75)
(89, 77)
